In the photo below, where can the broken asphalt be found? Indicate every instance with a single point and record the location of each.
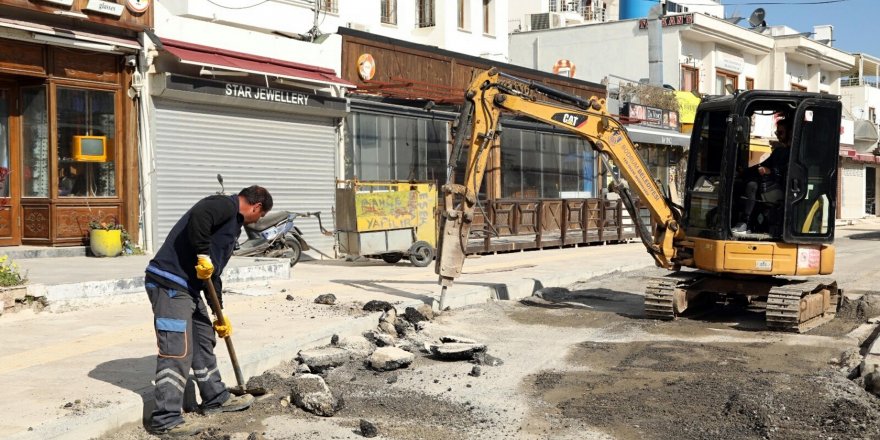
(85, 365)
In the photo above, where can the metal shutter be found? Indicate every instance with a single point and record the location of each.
(292, 156)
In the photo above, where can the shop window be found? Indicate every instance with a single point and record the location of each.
(725, 82)
(35, 142)
(382, 147)
(690, 79)
(389, 11)
(545, 165)
(425, 13)
(86, 127)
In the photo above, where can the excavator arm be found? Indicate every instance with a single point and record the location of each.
(490, 95)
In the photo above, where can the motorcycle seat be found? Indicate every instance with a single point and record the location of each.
(268, 221)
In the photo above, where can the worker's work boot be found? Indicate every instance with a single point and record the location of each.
(233, 403)
(184, 429)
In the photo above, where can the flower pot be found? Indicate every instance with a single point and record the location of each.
(105, 243)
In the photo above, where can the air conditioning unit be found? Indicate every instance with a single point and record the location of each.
(545, 20)
(358, 26)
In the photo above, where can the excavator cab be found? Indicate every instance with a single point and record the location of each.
(792, 197)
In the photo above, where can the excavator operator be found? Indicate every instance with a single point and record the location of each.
(768, 176)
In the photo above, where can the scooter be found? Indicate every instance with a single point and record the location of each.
(275, 235)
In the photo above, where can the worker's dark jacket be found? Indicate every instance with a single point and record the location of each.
(210, 227)
(778, 163)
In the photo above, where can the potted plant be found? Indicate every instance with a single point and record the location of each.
(12, 284)
(105, 238)
(110, 239)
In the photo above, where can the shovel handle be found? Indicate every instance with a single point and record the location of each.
(215, 305)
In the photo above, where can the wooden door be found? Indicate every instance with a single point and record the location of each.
(10, 232)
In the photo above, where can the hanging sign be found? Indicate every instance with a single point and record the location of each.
(105, 7)
(366, 67)
(564, 67)
(137, 6)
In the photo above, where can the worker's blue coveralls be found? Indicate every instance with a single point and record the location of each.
(184, 331)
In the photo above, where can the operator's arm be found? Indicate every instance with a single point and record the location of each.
(206, 215)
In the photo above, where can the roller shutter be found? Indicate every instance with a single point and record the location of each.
(293, 156)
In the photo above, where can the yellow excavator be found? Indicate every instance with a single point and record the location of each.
(790, 226)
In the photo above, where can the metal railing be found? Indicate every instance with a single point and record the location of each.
(425, 14)
(852, 82)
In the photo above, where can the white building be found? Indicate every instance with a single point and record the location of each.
(860, 94)
(253, 92)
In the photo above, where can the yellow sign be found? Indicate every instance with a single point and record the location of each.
(398, 208)
(687, 106)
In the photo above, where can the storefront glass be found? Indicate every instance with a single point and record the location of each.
(86, 132)
(35, 142)
(384, 147)
(545, 165)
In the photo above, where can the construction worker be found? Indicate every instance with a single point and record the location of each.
(195, 252)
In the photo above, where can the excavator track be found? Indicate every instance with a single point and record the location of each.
(802, 305)
(661, 294)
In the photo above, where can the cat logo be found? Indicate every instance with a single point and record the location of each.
(572, 119)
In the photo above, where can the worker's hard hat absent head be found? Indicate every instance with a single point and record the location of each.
(253, 203)
(783, 131)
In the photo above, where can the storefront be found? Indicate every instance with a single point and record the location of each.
(68, 137)
(268, 123)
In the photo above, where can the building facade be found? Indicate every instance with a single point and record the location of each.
(859, 161)
(68, 118)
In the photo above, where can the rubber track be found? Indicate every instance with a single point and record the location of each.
(660, 294)
(783, 305)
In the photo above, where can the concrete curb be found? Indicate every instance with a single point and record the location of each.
(62, 296)
(130, 408)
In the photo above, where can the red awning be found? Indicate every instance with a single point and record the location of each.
(206, 56)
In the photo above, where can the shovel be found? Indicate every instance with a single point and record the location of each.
(240, 389)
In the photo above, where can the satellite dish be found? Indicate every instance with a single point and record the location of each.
(757, 18)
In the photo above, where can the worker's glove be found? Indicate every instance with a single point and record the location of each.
(204, 267)
(223, 330)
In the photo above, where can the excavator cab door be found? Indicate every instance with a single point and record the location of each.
(811, 181)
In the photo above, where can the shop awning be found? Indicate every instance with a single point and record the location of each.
(69, 37)
(212, 57)
(657, 136)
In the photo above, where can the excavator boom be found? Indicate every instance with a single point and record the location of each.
(493, 93)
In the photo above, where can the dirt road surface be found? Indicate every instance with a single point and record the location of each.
(582, 363)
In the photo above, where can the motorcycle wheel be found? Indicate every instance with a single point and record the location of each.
(392, 257)
(421, 254)
(295, 251)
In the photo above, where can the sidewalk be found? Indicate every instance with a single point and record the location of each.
(101, 350)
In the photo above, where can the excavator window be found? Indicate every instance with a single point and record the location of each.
(704, 182)
(812, 173)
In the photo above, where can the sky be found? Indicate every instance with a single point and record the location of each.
(854, 20)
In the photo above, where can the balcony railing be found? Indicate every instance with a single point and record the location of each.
(853, 82)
